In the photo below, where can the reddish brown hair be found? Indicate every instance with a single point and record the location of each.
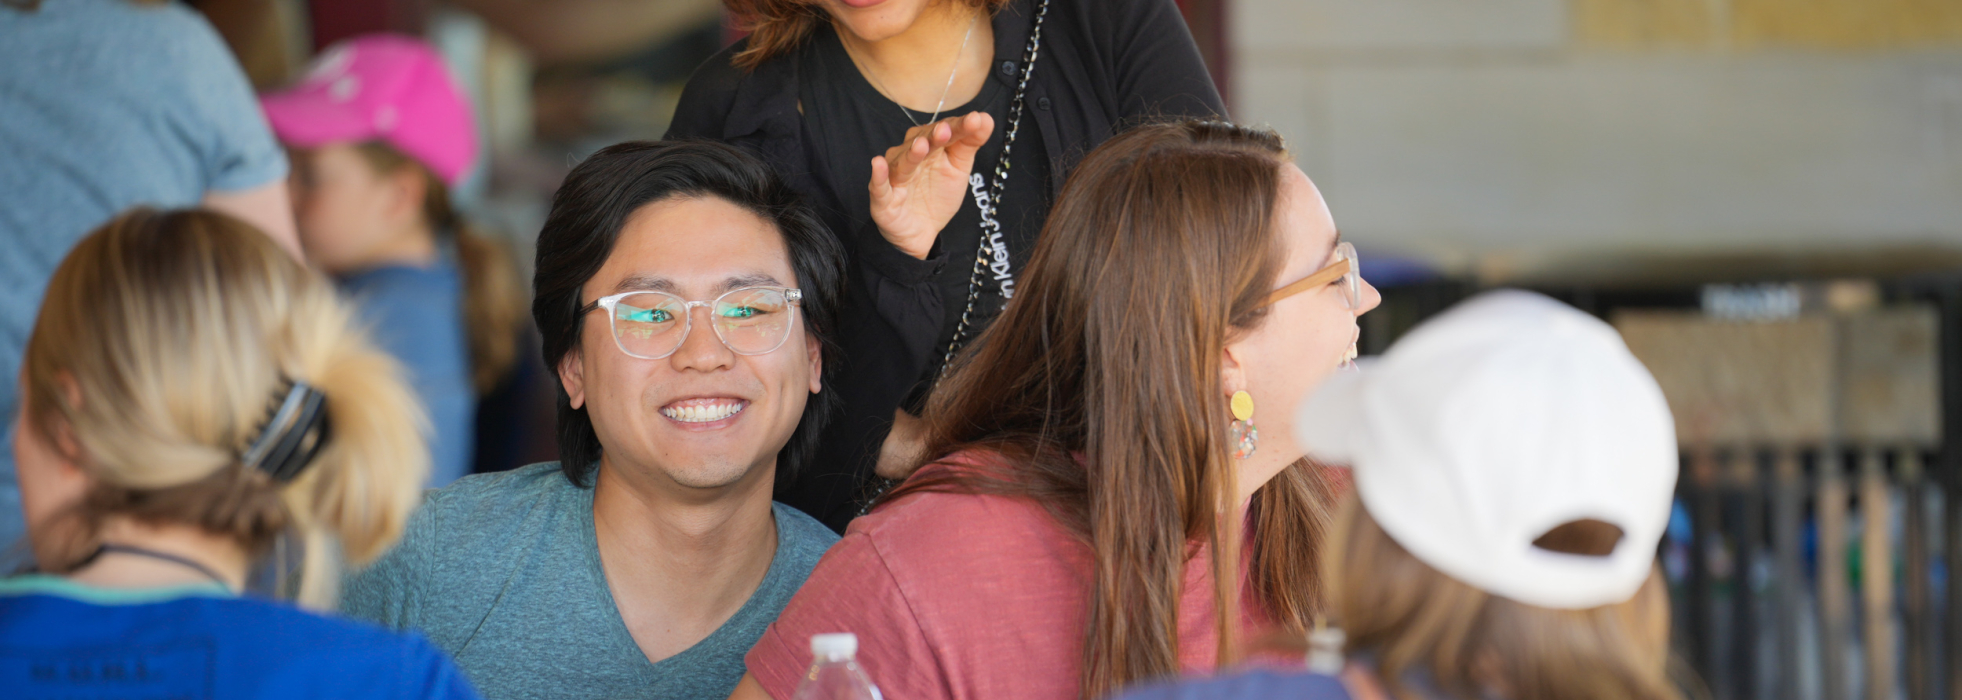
(777, 26)
(1102, 386)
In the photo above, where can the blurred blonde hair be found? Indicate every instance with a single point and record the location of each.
(177, 330)
(1410, 616)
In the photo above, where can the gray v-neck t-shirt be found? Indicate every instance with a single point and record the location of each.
(502, 571)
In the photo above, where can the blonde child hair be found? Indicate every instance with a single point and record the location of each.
(1410, 616)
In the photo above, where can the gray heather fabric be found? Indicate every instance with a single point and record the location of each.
(501, 570)
(104, 105)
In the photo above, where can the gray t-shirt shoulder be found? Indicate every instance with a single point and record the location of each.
(106, 105)
(501, 570)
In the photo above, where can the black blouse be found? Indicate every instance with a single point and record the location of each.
(857, 122)
(1103, 64)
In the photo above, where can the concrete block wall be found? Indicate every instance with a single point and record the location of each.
(1508, 134)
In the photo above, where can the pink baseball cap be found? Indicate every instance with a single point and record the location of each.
(383, 87)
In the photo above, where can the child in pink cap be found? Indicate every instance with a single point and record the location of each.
(379, 133)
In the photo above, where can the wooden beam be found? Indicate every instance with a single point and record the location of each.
(1835, 610)
(1787, 496)
(1877, 574)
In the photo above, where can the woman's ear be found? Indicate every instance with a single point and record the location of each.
(66, 444)
(50, 440)
(1232, 370)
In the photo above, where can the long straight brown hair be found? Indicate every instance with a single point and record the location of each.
(1101, 385)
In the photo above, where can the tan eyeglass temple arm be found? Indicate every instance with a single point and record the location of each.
(1321, 277)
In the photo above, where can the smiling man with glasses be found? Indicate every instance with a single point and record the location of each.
(686, 300)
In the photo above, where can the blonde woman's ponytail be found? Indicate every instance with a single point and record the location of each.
(361, 487)
(179, 331)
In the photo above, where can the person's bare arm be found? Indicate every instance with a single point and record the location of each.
(749, 689)
(901, 451)
(266, 207)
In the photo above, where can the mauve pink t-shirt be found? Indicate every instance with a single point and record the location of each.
(962, 597)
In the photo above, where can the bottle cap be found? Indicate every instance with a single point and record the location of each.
(841, 645)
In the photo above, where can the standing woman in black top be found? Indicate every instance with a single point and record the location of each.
(893, 118)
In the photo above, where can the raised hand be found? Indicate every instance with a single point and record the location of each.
(918, 185)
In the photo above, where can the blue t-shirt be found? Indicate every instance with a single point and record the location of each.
(1260, 684)
(105, 105)
(1263, 684)
(61, 640)
(416, 315)
(502, 571)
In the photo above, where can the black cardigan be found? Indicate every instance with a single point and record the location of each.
(1103, 64)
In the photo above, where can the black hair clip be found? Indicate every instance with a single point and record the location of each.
(289, 440)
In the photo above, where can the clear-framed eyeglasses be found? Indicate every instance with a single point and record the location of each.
(749, 321)
(1347, 268)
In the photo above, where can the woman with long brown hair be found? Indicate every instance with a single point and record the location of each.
(1101, 508)
(1514, 466)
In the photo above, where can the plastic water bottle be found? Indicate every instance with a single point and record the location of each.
(834, 675)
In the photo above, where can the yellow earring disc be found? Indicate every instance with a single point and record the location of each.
(1243, 405)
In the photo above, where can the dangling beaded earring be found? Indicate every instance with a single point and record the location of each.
(1244, 436)
(1325, 645)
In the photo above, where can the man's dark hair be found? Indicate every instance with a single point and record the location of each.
(593, 205)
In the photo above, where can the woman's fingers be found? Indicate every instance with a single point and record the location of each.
(881, 185)
(973, 132)
(976, 127)
(956, 138)
(908, 160)
(917, 131)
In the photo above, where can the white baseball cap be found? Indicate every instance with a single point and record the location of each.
(1495, 422)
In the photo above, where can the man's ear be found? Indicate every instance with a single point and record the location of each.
(572, 375)
(816, 351)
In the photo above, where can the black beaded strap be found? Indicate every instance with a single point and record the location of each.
(990, 205)
(992, 246)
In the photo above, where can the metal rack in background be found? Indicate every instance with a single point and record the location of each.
(1820, 423)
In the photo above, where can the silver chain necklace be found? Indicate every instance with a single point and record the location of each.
(951, 72)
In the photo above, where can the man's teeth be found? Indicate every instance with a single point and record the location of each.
(700, 413)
